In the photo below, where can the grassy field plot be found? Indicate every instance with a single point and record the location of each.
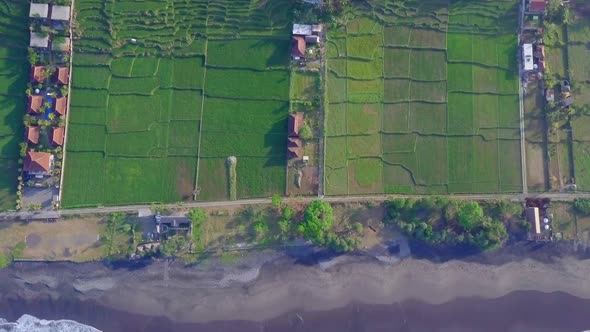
(448, 94)
(149, 116)
(14, 70)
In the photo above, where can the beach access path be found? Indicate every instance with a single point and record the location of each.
(29, 215)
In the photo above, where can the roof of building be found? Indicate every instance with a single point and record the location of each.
(295, 122)
(35, 103)
(527, 54)
(57, 136)
(532, 215)
(312, 39)
(173, 221)
(301, 29)
(38, 40)
(317, 28)
(61, 104)
(62, 44)
(294, 142)
(39, 10)
(61, 13)
(550, 95)
(541, 50)
(567, 101)
(37, 162)
(314, 2)
(294, 147)
(298, 46)
(537, 6)
(32, 134)
(37, 73)
(63, 75)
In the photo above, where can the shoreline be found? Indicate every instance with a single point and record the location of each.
(263, 286)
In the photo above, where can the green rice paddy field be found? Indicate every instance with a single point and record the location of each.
(14, 70)
(164, 91)
(423, 98)
(579, 69)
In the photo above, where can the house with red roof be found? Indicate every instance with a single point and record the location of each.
(57, 136)
(32, 134)
(61, 104)
(34, 105)
(62, 75)
(537, 6)
(37, 74)
(38, 163)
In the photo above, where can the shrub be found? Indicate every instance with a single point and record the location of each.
(305, 132)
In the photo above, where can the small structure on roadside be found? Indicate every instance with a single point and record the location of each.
(39, 10)
(37, 74)
(540, 56)
(62, 75)
(537, 6)
(314, 2)
(60, 13)
(34, 104)
(527, 57)
(171, 225)
(61, 44)
(40, 40)
(316, 29)
(550, 95)
(38, 164)
(57, 136)
(61, 104)
(567, 102)
(32, 134)
(532, 216)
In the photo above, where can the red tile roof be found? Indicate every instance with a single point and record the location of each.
(294, 148)
(37, 74)
(537, 6)
(62, 75)
(35, 103)
(37, 162)
(60, 105)
(57, 137)
(32, 134)
(298, 46)
(295, 122)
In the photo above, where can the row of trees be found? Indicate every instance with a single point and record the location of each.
(446, 222)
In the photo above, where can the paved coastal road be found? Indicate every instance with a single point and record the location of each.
(246, 202)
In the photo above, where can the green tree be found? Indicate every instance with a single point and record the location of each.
(260, 229)
(582, 205)
(4, 261)
(277, 201)
(469, 215)
(318, 219)
(197, 217)
(287, 213)
(305, 132)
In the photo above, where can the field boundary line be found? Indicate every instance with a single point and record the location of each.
(65, 142)
(196, 192)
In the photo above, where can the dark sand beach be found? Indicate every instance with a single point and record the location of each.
(271, 292)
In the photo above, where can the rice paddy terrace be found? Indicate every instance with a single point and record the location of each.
(423, 98)
(164, 92)
(14, 69)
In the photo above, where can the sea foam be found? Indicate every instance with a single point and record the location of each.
(28, 323)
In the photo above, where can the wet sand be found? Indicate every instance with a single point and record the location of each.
(357, 294)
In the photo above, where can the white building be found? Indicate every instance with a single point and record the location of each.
(39, 10)
(527, 56)
(301, 29)
(60, 13)
(39, 40)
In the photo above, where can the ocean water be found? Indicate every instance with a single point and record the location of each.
(521, 311)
